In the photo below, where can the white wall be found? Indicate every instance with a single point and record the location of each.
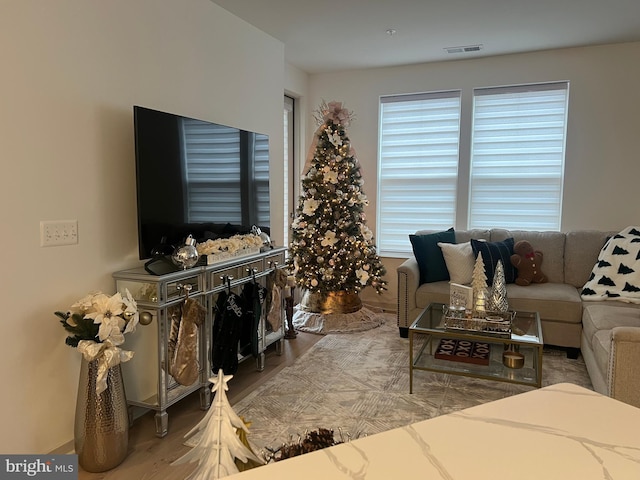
(603, 141)
(71, 71)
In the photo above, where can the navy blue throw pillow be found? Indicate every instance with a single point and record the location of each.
(491, 253)
(429, 255)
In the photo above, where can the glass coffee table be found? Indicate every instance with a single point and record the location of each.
(429, 338)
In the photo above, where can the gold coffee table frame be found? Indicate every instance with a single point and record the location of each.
(428, 329)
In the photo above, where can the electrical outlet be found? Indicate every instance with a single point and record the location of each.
(58, 232)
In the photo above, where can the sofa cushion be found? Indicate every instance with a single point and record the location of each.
(460, 261)
(605, 317)
(581, 251)
(491, 253)
(556, 302)
(435, 292)
(475, 233)
(429, 255)
(551, 244)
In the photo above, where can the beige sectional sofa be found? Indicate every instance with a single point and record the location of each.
(607, 332)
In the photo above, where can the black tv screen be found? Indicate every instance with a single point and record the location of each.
(197, 177)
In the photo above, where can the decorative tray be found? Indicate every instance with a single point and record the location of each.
(493, 323)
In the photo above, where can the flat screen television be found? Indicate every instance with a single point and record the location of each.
(197, 177)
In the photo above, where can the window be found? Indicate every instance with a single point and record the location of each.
(512, 177)
(418, 167)
(517, 157)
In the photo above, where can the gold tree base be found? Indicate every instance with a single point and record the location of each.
(330, 302)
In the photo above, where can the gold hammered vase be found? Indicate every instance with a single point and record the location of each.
(330, 302)
(101, 433)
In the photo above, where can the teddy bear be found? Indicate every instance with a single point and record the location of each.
(528, 263)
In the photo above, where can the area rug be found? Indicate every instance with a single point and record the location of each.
(357, 384)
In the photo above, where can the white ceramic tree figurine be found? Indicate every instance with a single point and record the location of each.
(479, 285)
(218, 444)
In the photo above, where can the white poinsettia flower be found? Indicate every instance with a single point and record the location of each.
(83, 305)
(366, 232)
(331, 177)
(363, 276)
(335, 139)
(329, 239)
(112, 331)
(310, 206)
(105, 307)
(114, 316)
(131, 311)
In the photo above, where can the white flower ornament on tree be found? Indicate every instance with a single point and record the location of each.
(331, 177)
(335, 139)
(310, 206)
(329, 239)
(363, 276)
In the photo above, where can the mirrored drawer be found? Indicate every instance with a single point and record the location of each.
(248, 269)
(218, 277)
(179, 288)
(276, 259)
(141, 291)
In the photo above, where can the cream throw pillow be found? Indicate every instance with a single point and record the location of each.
(460, 261)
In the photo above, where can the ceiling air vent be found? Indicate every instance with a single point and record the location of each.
(464, 49)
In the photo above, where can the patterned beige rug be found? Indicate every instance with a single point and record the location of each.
(359, 383)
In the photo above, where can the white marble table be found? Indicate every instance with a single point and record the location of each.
(558, 432)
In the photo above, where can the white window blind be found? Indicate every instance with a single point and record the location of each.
(418, 166)
(517, 158)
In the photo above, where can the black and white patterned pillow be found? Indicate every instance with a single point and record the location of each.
(616, 275)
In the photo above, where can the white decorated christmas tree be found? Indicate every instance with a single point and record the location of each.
(217, 443)
(332, 248)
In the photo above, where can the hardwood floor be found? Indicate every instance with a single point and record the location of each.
(149, 456)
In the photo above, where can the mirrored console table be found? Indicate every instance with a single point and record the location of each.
(148, 383)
